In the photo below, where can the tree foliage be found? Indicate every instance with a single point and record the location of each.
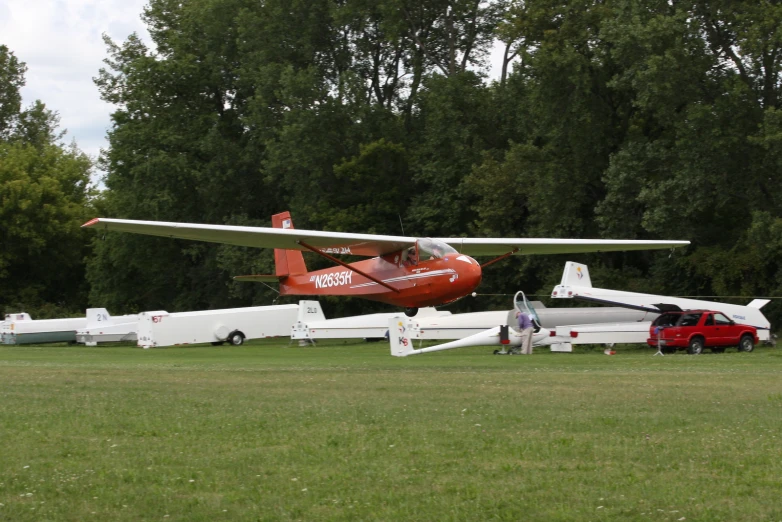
(620, 119)
(11, 81)
(44, 199)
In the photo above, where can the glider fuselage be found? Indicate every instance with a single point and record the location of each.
(429, 282)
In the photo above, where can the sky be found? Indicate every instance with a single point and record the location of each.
(61, 43)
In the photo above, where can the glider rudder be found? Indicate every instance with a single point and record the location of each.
(287, 262)
(576, 274)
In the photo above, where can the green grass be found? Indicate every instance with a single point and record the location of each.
(344, 431)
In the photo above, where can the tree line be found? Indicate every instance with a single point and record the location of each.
(44, 197)
(614, 118)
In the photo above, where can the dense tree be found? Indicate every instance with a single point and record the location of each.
(647, 119)
(43, 190)
(44, 198)
(11, 81)
(620, 119)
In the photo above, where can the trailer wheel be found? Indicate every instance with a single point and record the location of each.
(747, 343)
(236, 338)
(411, 311)
(720, 349)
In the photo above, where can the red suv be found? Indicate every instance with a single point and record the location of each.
(699, 329)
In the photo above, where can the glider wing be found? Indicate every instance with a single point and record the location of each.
(366, 244)
(477, 247)
(286, 238)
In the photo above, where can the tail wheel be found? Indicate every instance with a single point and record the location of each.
(236, 338)
(747, 343)
(696, 346)
(411, 312)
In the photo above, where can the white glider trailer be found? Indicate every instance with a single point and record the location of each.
(314, 325)
(576, 284)
(10, 318)
(21, 329)
(232, 325)
(102, 327)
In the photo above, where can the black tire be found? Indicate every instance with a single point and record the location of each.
(411, 312)
(746, 344)
(696, 346)
(720, 349)
(236, 338)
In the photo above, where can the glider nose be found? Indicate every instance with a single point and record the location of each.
(469, 273)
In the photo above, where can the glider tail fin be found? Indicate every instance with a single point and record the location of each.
(98, 317)
(576, 274)
(287, 262)
(399, 337)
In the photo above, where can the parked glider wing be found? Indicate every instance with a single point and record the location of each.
(477, 247)
(261, 237)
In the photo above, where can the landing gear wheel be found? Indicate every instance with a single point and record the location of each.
(411, 312)
(747, 343)
(236, 339)
(696, 346)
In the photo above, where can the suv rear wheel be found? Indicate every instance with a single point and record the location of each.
(696, 346)
(746, 344)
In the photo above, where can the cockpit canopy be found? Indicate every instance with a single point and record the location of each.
(433, 249)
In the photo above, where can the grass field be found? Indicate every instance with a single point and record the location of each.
(344, 431)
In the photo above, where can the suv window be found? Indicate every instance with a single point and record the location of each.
(721, 319)
(689, 320)
(667, 319)
(709, 320)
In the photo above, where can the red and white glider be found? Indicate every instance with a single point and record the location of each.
(403, 271)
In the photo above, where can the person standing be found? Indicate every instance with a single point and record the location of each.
(526, 329)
